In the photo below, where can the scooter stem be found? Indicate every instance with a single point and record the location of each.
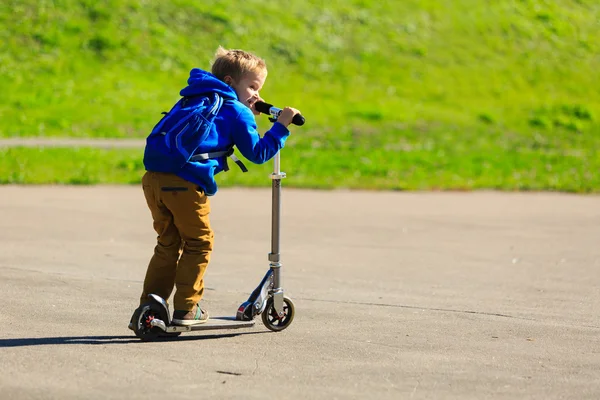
(274, 256)
(270, 286)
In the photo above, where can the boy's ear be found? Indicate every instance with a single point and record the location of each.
(228, 80)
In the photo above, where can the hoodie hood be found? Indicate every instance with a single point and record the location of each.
(201, 82)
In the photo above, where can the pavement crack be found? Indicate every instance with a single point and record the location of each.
(229, 373)
(264, 354)
(415, 389)
(450, 310)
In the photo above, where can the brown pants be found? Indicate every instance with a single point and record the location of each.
(185, 240)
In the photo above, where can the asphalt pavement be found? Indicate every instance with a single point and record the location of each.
(398, 296)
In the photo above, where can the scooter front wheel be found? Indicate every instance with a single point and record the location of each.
(275, 322)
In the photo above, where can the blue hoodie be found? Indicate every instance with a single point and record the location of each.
(233, 125)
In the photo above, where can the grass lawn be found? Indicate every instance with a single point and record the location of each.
(409, 95)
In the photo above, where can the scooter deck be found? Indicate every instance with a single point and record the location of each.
(213, 323)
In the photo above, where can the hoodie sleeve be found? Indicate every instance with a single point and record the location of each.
(247, 139)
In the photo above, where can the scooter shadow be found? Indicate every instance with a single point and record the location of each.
(103, 340)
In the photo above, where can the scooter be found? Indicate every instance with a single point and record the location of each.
(152, 320)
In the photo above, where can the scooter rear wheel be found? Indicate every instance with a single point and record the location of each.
(273, 321)
(141, 321)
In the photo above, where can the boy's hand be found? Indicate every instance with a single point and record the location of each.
(286, 116)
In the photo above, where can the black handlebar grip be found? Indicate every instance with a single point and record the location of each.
(298, 120)
(267, 108)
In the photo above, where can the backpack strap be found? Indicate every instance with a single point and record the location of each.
(214, 154)
(217, 154)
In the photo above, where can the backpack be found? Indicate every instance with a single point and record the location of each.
(176, 137)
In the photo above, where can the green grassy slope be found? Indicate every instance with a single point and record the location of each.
(398, 94)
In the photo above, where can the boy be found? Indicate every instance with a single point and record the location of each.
(179, 202)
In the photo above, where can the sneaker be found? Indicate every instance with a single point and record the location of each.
(194, 317)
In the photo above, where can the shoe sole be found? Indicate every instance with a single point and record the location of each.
(189, 322)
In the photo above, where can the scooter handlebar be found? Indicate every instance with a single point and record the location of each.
(274, 112)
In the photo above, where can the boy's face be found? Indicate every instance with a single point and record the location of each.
(248, 88)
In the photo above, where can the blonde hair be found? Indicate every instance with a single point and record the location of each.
(236, 63)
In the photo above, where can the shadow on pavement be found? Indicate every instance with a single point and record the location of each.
(92, 340)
